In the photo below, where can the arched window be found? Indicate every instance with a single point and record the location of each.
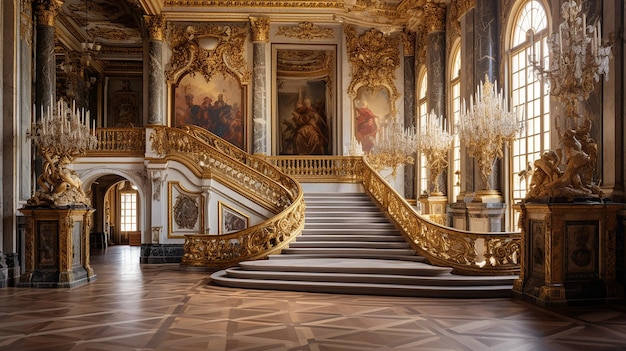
(454, 168)
(422, 112)
(529, 95)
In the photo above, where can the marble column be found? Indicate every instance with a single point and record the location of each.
(46, 11)
(408, 44)
(613, 96)
(467, 88)
(436, 63)
(260, 38)
(156, 71)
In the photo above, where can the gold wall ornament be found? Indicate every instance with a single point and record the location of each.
(190, 55)
(435, 15)
(374, 59)
(61, 135)
(421, 40)
(260, 29)
(462, 6)
(486, 125)
(408, 43)
(306, 31)
(156, 26)
(316, 4)
(47, 10)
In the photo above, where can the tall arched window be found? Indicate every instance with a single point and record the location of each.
(422, 112)
(529, 95)
(454, 168)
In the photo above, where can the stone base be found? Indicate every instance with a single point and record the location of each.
(459, 215)
(568, 254)
(485, 217)
(161, 253)
(53, 279)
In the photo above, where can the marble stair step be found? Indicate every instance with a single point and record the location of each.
(347, 219)
(495, 291)
(412, 257)
(350, 230)
(350, 244)
(364, 226)
(352, 251)
(330, 236)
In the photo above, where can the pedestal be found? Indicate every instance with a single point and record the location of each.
(568, 254)
(459, 215)
(437, 208)
(57, 247)
(485, 217)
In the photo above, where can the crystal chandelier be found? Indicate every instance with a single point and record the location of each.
(486, 125)
(394, 146)
(578, 57)
(61, 135)
(435, 142)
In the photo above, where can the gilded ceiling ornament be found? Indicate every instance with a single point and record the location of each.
(306, 31)
(207, 49)
(156, 26)
(374, 59)
(186, 211)
(260, 29)
(319, 4)
(435, 15)
(408, 43)
(47, 10)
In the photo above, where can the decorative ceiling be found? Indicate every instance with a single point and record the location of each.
(112, 31)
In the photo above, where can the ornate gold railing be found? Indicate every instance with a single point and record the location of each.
(252, 177)
(119, 142)
(466, 252)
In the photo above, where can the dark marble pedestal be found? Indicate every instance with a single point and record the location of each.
(57, 247)
(568, 253)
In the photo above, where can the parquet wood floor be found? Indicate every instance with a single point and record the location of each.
(158, 307)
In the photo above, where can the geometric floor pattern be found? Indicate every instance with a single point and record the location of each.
(159, 307)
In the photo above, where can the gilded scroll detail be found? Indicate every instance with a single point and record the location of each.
(190, 55)
(260, 29)
(306, 31)
(374, 59)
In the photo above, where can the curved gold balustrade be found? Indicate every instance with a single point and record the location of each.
(119, 142)
(251, 177)
(466, 252)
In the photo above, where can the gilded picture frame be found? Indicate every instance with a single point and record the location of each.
(218, 105)
(304, 79)
(230, 219)
(185, 211)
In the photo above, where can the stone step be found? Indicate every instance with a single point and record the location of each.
(349, 237)
(378, 256)
(350, 244)
(340, 252)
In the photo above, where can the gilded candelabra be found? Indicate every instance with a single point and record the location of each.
(486, 126)
(61, 135)
(394, 146)
(435, 142)
(578, 57)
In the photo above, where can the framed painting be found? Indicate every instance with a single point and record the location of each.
(304, 78)
(124, 103)
(217, 105)
(372, 112)
(185, 211)
(231, 220)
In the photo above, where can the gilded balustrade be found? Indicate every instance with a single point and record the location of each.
(251, 177)
(119, 142)
(466, 252)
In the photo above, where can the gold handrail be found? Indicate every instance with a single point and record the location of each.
(466, 252)
(119, 142)
(253, 178)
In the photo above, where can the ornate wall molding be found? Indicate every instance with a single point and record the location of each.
(435, 15)
(306, 31)
(47, 10)
(260, 29)
(408, 43)
(374, 59)
(156, 27)
(227, 57)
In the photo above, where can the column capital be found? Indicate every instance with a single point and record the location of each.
(156, 26)
(260, 29)
(464, 5)
(435, 17)
(408, 43)
(47, 10)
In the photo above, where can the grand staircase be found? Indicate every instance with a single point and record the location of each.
(349, 246)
